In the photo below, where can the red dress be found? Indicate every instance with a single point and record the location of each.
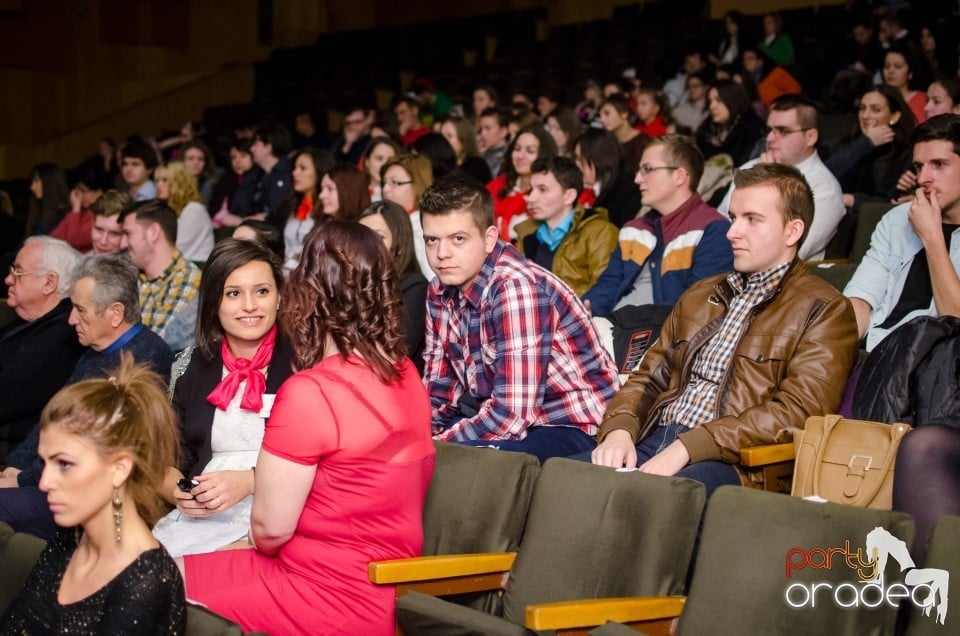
(372, 448)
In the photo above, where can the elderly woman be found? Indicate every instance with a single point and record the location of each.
(346, 457)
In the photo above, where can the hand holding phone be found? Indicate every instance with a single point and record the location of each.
(186, 485)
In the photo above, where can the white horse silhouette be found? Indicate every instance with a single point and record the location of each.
(882, 545)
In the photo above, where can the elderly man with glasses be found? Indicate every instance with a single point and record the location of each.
(678, 242)
(39, 349)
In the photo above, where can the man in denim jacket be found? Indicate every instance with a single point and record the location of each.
(911, 268)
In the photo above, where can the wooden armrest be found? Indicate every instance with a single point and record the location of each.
(766, 454)
(587, 613)
(441, 566)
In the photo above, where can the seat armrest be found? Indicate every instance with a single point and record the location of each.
(442, 566)
(766, 454)
(593, 612)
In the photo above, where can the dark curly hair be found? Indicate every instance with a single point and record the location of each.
(345, 287)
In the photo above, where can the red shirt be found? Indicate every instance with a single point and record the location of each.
(653, 129)
(414, 134)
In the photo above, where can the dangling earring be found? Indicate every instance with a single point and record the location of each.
(117, 514)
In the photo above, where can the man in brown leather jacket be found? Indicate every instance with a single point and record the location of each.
(744, 357)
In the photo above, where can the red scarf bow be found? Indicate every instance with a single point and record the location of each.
(240, 369)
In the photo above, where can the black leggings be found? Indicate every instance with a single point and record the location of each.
(926, 483)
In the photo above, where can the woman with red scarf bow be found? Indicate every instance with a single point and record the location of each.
(223, 391)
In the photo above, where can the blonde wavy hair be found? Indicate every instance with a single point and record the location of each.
(183, 185)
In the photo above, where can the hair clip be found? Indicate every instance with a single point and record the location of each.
(113, 380)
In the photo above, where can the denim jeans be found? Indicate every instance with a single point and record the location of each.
(711, 474)
(544, 442)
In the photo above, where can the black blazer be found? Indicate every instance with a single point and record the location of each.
(195, 414)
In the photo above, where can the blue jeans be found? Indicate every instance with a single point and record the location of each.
(544, 442)
(711, 474)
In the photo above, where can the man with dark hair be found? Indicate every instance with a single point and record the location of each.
(137, 161)
(306, 134)
(676, 87)
(106, 316)
(913, 265)
(494, 136)
(407, 111)
(107, 233)
(744, 358)
(680, 241)
(353, 140)
(271, 143)
(573, 243)
(513, 360)
(168, 283)
(793, 128)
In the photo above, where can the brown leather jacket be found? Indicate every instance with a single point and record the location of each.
(791, 362)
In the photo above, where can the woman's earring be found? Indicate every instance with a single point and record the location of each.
(117, 514)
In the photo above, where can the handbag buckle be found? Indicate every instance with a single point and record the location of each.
(854, 458)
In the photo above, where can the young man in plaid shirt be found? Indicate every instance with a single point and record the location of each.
(512, 358)
(744, 357)
(168, 282)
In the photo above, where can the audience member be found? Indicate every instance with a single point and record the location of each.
(178, 188)
(407, 111)
(343, 192)
(911, 268)
(484, 97)
(50, 201)
(377, 153)
(460, 133)
(105, 444)
(494, 137)
(776, 45)
(234, 196)
(349, 146)
(137, 161)
(442, 157)
(607, 184)
(305, 133)
(346, 459)
(732, 127)
(107, 233)
(675, 87)
(392, 223)
(546, 386)
(405, 178)
(168, 282)
(76, 226)
(223, 391)
(435, 104)
(728, 50)
(106, 317)
(689, 411)
(564, 126)
(678, 242)
(793, 130)
(38, 349)
(270, 146)
(691, 111)
(305, 206)
(268, 235)
(869, 163)
(615, 117)
(905, 70)
(199, 162)
(572, 242)
(653, 113)
(547, 102)
(509, 189)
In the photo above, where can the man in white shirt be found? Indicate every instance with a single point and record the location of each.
(793, 130)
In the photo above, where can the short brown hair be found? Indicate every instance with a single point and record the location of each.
(459, 191)
(795, 194)
(129, 412)
(110, 203)
(352, 191)
(682, 151)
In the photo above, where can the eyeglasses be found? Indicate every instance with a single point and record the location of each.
(395, 184)
(16, 272)
(780, 131)
(646, 169)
